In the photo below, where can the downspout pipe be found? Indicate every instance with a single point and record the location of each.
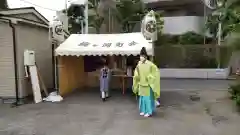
(16, 103)
(15, 63)
(53, 66)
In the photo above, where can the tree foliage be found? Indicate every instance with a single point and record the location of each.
(130, 13)
(233, 36)
(228, 14)
(3, 4)
(126, 13)
(97, 19)
(76, 16)
(160, 22)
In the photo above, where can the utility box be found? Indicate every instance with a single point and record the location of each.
(29, 58)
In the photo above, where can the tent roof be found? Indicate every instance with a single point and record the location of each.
(104, 44)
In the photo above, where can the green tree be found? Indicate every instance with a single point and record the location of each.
(233, 36)
(108, 10)
(95, 20)
(233, 39)
(126, 13)
(99, 10)
(230, 19)
(132, 12)
(3, 4)
(160, 22)
(75, 17)
(228, 14)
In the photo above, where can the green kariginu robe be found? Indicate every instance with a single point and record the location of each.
(146, 75)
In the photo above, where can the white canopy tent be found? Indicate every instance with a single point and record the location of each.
(104, 44)
(71, 73)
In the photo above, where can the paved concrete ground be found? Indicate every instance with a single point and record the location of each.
(183, 112)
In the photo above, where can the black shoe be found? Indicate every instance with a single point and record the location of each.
(103, 99)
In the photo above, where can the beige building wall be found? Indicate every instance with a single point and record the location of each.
(7, 74)
(34, 38)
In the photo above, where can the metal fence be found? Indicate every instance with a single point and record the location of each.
(192, 56)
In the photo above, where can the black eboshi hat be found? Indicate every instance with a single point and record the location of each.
(144, 52)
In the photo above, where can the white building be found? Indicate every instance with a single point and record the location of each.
(180, 16)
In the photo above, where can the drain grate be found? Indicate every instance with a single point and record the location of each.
(194, 98)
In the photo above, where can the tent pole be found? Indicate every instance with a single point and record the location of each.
(86, 17)
(56, 66)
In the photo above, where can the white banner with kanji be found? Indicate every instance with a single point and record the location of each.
(104, 44)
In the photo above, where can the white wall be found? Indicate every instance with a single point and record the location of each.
(179, 25)
(204, 73)
(182, 24)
